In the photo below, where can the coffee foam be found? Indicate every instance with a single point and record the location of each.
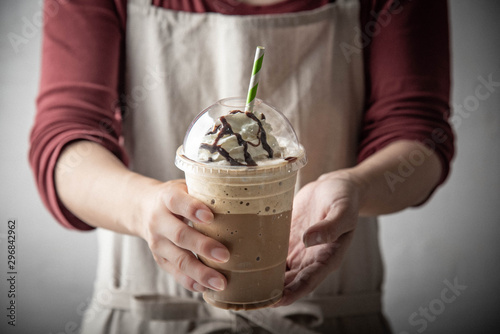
(244, 195)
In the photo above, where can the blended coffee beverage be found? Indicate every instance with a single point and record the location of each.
(243, 165)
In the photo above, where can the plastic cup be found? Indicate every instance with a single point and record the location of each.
(252, 208)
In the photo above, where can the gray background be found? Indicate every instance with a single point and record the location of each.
(455, 237)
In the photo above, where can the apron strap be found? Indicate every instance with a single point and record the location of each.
(161, 307)
(309, 312)
(349, 305)
(272, 320)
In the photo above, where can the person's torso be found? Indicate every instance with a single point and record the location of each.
(178, 63)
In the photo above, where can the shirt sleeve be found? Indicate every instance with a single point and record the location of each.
(407, 75)
(78, 95)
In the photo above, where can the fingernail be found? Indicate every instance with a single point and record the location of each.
(204, 216)
(220, 254)
(216, 283)
(313, 239)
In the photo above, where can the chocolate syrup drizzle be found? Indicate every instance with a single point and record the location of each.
(225, 129)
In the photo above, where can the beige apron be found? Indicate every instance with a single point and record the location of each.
(178, 63)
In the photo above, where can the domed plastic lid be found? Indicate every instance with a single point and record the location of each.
(226, 136)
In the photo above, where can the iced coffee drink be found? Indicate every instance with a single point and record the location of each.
(243, 165)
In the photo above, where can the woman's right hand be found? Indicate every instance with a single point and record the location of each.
(165, 209)
(100, 190)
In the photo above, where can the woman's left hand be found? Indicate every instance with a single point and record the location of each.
(324, 218)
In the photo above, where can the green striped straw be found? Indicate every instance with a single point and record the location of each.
(254, 80)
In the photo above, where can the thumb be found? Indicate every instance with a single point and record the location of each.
(338, 221)
(317, 235)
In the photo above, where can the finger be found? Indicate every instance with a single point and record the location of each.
(182, 263)
(290, 276)
(179, 202)
(340, 219)
(186, 237)
(184, 280)
(302, 282)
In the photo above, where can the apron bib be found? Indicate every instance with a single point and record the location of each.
(177, 64)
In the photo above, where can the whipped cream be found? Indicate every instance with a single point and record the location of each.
(240, 139)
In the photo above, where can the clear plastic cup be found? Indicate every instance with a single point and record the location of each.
(252, 206)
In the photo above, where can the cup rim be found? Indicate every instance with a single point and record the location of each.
(275, 166)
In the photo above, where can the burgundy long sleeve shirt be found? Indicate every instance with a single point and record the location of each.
(405, 46)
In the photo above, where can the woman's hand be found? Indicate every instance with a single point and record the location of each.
(101, 191)
(325, 212)
(165, 209)
(324, 218)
